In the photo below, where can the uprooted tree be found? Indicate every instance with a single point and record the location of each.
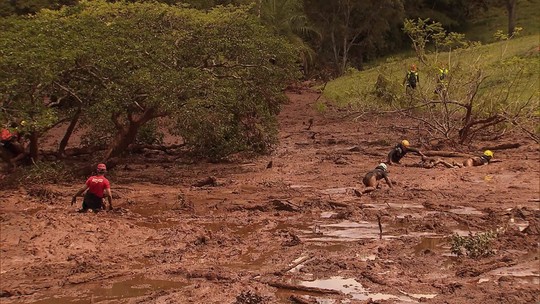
(215, 78)
(477, 96)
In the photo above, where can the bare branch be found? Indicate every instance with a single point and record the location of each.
(68, 90)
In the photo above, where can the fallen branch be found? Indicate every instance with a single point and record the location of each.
(294, 265)
(288, 286)
(461, 220)
(373, 278)
(338, 204)
(299, 300)
(446, 154)
(209, 181)
(156, 147)
(502, 147)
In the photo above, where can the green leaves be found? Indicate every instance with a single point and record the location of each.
(474, 245)
(128, 63)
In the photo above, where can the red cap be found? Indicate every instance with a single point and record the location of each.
(101, 167)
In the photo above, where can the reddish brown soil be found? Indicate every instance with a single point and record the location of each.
(170, 242)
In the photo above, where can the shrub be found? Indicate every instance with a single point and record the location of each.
(474, 245)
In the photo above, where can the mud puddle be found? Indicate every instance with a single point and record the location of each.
(134, 287)
(345, 231)
(466, 211)
(354, 289)
(430, 244)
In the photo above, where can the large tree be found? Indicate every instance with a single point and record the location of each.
(219, 74)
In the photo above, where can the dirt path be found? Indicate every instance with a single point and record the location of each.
(262, 235)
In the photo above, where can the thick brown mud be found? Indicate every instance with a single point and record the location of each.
(289, 233)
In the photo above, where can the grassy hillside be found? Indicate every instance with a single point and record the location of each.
(497, 61)
(487, 23)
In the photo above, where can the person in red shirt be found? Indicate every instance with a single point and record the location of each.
(96, 187)
(12, 150)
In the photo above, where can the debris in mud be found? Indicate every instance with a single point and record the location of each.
(449, 288)
(283, 285)
(250, 297)
(5, 294)
(373, 277)
(291, 240)
(44, 194)
(201, 240)
(341, 161)
(300, 300)
(209, 181)
(285, 206)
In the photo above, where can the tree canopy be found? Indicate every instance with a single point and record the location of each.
(216, 76)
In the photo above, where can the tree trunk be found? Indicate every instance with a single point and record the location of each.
(69, 131)
(127, 134)
(511, 9)
(34, 145)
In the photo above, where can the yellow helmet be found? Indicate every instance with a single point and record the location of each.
(488, 153)
(23, 123)
(405, 143)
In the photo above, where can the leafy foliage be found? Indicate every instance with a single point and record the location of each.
(474, 245)
(126, 64)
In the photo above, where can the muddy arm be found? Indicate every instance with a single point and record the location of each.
(79, 193)
(108, 194)
(388, 180)
(417, 151)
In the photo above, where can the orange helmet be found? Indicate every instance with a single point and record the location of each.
(413, 67)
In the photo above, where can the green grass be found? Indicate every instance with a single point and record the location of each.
(495, 60)
(486, 23)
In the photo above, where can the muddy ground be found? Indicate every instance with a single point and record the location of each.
(287, 232)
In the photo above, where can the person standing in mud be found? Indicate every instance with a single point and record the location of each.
(10, 141)
(96, 187)
(371, 179)
(400, 150)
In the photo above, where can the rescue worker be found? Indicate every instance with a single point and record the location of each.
(429, 163)
(485, 159)
(371, 179)
(13, 150)
(412, 79)
(96, 187)
(397, 153)
(442, 80)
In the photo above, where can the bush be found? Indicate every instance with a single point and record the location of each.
(43, 172)
(474, 246)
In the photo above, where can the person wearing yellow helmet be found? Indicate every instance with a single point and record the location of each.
(400, 150)
(485, 159)
(371, 179)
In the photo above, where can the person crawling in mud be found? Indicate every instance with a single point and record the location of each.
(429, 163)
(96, 187)
(371, 179)
(485, 159)
(400, 150)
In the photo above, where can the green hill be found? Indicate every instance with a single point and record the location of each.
(496, 60)
(486, 23)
